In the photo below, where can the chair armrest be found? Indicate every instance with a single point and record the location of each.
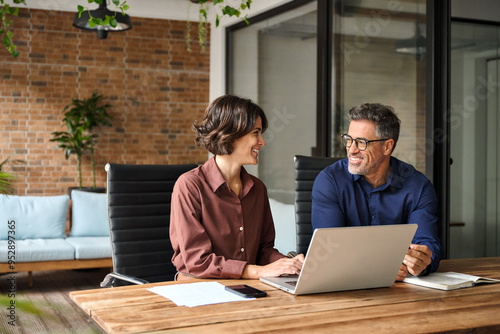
(111, 277)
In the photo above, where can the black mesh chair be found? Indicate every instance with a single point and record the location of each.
(139, 220)
(306, 170)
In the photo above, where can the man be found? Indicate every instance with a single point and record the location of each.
(371, 187)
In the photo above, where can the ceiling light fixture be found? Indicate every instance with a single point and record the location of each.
(415, 45)
(82, 22)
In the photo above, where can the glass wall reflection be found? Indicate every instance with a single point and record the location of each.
(274, 63)
(475, 141)
(379, 56)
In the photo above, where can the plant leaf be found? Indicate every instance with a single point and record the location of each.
(228, 10)
(203, 12)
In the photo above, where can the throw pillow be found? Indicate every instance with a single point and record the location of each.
(32, 217)
(89, 214)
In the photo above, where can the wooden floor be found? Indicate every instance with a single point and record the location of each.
(46, 307)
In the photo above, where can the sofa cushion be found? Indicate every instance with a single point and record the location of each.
(90, 247)
(34, 250)
(89, 214)
(34, 216)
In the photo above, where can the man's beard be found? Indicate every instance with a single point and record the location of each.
(364, 168)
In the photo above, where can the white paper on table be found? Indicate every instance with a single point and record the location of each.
(197, 294)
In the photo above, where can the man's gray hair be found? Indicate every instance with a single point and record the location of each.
(388, 124)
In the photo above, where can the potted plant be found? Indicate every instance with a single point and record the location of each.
(7, 179)
(81, 117)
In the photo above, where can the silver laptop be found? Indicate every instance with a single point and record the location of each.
(349, 258)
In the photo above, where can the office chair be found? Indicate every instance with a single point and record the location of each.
(139, 220)
(306, 170)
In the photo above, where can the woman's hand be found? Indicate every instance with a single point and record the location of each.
(284, 265)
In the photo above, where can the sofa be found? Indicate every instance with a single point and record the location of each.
(34, 234)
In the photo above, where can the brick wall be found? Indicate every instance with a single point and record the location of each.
(156, 88)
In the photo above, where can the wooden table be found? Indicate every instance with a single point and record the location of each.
(401, 308)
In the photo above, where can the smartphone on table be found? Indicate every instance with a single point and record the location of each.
(246, 291)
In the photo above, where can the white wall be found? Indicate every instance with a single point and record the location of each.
(218, 44)
(486, 10)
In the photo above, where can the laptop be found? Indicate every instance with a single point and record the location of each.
(349, 258)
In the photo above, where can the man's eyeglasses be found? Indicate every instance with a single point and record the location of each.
(361, 143)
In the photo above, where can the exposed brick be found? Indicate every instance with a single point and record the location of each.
(155, 86)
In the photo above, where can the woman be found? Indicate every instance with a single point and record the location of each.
(220, 223)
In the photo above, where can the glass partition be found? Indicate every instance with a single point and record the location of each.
(475, 141)
(369, 51)
(274, 63)
(379, 56)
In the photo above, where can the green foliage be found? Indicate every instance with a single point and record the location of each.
(109, 20)
(25, 306)
(92, 114)
(202, 27)
(203, 18)
(231, 11)
(81, 117)
(224, 9)
(6, 10)
(7, 179)
(73, 141)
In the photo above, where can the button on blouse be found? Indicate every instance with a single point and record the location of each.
(215, 233)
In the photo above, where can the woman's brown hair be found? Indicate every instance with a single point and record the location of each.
(227, 119)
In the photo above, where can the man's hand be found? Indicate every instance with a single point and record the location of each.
(403, 272)
(417, 258)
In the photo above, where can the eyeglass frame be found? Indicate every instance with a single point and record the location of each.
(355, 140)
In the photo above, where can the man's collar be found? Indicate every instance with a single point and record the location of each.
(394, 178)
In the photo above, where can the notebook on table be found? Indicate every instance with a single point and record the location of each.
(349, 258)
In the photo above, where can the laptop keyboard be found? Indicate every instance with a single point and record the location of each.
(293, 283)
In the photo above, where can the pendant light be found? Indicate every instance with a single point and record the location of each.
(415, 45)
(82, 22)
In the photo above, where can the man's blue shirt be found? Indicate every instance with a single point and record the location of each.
(340, 198)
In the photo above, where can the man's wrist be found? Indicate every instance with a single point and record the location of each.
(424, 272)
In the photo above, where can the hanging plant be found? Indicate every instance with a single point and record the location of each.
(109, 20)
(222, 10)
(6, 11)
(202, 24)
